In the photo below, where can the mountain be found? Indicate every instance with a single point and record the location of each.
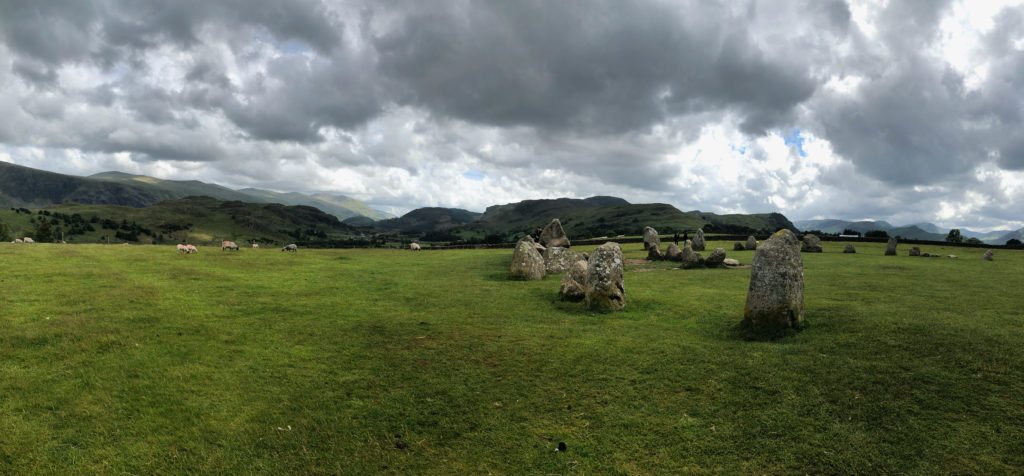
(1016, 234)
(919, 231)
(199, 220)
(27, 187)
(429, 219)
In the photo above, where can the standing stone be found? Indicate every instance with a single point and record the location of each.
(698, 240)
(987, 256)
(716, 258)
(558, 259)
(775, 299)
(651, 237)
(915, 251)
(673, 253)
(554, 235)
(605, 280)
(574, 283)
(890, 248)
(811, 244)
(738, 247)
(849, 248)
(654, 253)
(751, 243)
(691, 259)
(527, 263)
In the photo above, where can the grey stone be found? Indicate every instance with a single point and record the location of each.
(914, 251)
(651, 237)
(987, 256)
(654, 253)
(716, 258)
(775, 299)
(738, 247)
(558, 259)
(751, 243)
(606, 289)
(890, 248)
(527, 263)
(574, 283)
(673, 252)
(849, 248)
(691, 259)
(731, 262)
(698, 240)
(554, 235)
(811, 244)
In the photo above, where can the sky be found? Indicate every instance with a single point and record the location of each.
(907, 111)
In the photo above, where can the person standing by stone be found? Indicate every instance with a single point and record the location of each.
(775, 299)
(676, 238)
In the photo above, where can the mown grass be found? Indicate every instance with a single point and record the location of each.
(133, 359)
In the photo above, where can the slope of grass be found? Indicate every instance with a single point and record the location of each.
(135, 359)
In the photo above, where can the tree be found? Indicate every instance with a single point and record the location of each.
(876, 234)
(847, 231)
(5, 232)
(954, 236)
(43, 232)
(973, 241)
(1013, 242)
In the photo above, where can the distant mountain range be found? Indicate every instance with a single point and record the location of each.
(27, 187)
(917, 231)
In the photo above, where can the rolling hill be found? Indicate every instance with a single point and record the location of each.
(429, 219)
(919, 231)
(27, 187)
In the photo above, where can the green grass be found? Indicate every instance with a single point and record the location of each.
(133, 359)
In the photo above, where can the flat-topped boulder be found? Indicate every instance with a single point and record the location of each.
(574, 283)
(811, 244)
(775, 299)
(558, 259)
(606, 289)
(890, 247)
(651, 237)
(731, 262)
(554, 235)
(698, 241)
(527, 263)
(715, 259)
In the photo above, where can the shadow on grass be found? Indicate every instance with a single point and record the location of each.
(745, 331)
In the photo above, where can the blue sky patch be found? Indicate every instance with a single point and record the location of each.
(794, 138)
(473, 175)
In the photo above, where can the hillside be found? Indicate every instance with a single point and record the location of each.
(198, 220)
(919, 231)
(429, 219)
(27, 187)
(1018, 235)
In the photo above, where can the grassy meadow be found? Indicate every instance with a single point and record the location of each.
(134, 359)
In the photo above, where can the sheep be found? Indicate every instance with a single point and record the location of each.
(18, 240)
(182, 249)
(192, 249)
(29, 240)
(291, 247)
(414, 246)
(255, 246)
(228, 245)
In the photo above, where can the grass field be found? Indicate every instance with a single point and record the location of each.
(133, 359)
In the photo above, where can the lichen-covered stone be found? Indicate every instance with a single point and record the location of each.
(673, 252)
(654, 253)
(775, 299)
(651, 238)
(527, 263)
(698, 240)
(574, 283)
(987, 256)
(715, 259)
(890, 248)
(606, 288)
(691, 259)
(554, 235)
(811, 244)
(558, 259)
(915, 251)
(849, 248)
(738, 247)
(751, 243)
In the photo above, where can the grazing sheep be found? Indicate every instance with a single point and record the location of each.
(29, 240)
(18, 240)
(414, 246)
(255, 246)
(228, 245)
(182, 249)
(291, 247)
(192, 249)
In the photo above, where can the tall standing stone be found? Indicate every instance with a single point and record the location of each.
(651, 238)
(775, 299)
(890, 248)
(987, 256)
(698, 240)
(751, 243)
(606, 288)
(811, 244)
(554, 235)
(574, 283)
(527, 263)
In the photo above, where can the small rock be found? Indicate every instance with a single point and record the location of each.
(953, 256)
(738, 246)
(849, 248)
(987, 256)
(914, 251)
(731, 262)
